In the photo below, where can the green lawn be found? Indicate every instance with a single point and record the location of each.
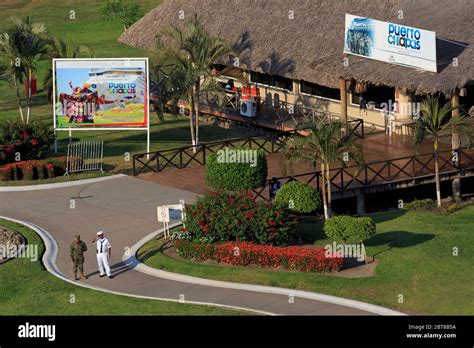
(415, 252)
(88, 28)
(28, 289)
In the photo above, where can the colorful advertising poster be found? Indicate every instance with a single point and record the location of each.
(390, 42)
(101, 93)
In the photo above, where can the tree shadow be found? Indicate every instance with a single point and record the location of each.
(274, 65)
(387, 215)
(143, 257)
(398, 239)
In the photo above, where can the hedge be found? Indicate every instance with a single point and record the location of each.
(299, 197)
(349, 229)
(223, 172)
(33, 170)
(243, 254)
(222, 217)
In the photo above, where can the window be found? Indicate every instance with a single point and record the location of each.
(318, 90)
(377, 94)
(272, 80)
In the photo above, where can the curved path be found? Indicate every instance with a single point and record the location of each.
(125, 208)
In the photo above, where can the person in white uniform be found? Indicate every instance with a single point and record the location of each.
(104, 252)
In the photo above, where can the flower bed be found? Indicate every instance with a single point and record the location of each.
(240, 253)
(33, 170)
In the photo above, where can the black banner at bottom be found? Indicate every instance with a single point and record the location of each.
(225, 331)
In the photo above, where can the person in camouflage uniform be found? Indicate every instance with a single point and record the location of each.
(77, 249)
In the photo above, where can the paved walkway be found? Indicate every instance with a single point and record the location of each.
(125, 208)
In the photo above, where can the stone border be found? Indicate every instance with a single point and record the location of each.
(58, 184)
(129, 258)
(49, 261)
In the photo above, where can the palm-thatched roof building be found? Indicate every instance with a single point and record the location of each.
(304, 39)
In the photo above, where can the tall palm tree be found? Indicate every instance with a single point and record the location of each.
(13, 69)
(438, 121)
(325, 144)
(58, 48)
(24, 46)
(193, 49)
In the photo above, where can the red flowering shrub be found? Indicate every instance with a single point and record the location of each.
(30, 141)
(233, 253)
(221, 217)
(32, 170)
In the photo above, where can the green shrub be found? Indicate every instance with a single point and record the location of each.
(31, 141)
(419, 204)
(224, 173)
(298, 197)
(349, 229)
(222, 217)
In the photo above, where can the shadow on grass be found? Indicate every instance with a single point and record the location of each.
(387, 215)
(143, 257)
(398, 239)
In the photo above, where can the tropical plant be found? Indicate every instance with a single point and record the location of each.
(193, 50)
(325, 144)
(439, 121)
(23, 45)
(58, 48)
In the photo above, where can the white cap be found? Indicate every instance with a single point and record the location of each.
(100, 232)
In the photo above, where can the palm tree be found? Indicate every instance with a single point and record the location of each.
(438, 121)
(58, 48)
(325, 144)
(13, 69)
(193, 50)
(24, 46)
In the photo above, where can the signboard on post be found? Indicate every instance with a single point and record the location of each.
(165, 213)
(390, 42)
(108, 93)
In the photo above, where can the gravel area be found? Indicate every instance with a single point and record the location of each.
(9, 241)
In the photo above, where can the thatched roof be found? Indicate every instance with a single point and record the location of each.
(310, 46)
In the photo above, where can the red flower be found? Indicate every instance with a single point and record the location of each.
(26, 136)
(34, 142)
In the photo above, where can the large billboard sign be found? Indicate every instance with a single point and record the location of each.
(101, 93)
(390, 42)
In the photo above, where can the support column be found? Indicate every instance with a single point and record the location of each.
(360, 204)
(455, 145)
(343, 90)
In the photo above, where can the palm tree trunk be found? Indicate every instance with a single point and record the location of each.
(198, 89)
(328, 182)
(191, 122)
(29, 96)
(438, 186)
(18, 98)
(323, 188)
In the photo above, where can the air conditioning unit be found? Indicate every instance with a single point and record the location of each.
(248, 108)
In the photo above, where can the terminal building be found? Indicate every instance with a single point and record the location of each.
(293, 51)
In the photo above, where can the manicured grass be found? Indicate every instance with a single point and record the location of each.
(415, 253)
(28, 289)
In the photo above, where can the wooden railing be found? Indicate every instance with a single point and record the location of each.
(382, 172)
(184, 156)
(280, 112)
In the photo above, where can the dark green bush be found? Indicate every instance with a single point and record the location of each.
(221, 217)
(419, 204)
(299, 197)
(224, 174)
(31, 141)
(349, 229)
